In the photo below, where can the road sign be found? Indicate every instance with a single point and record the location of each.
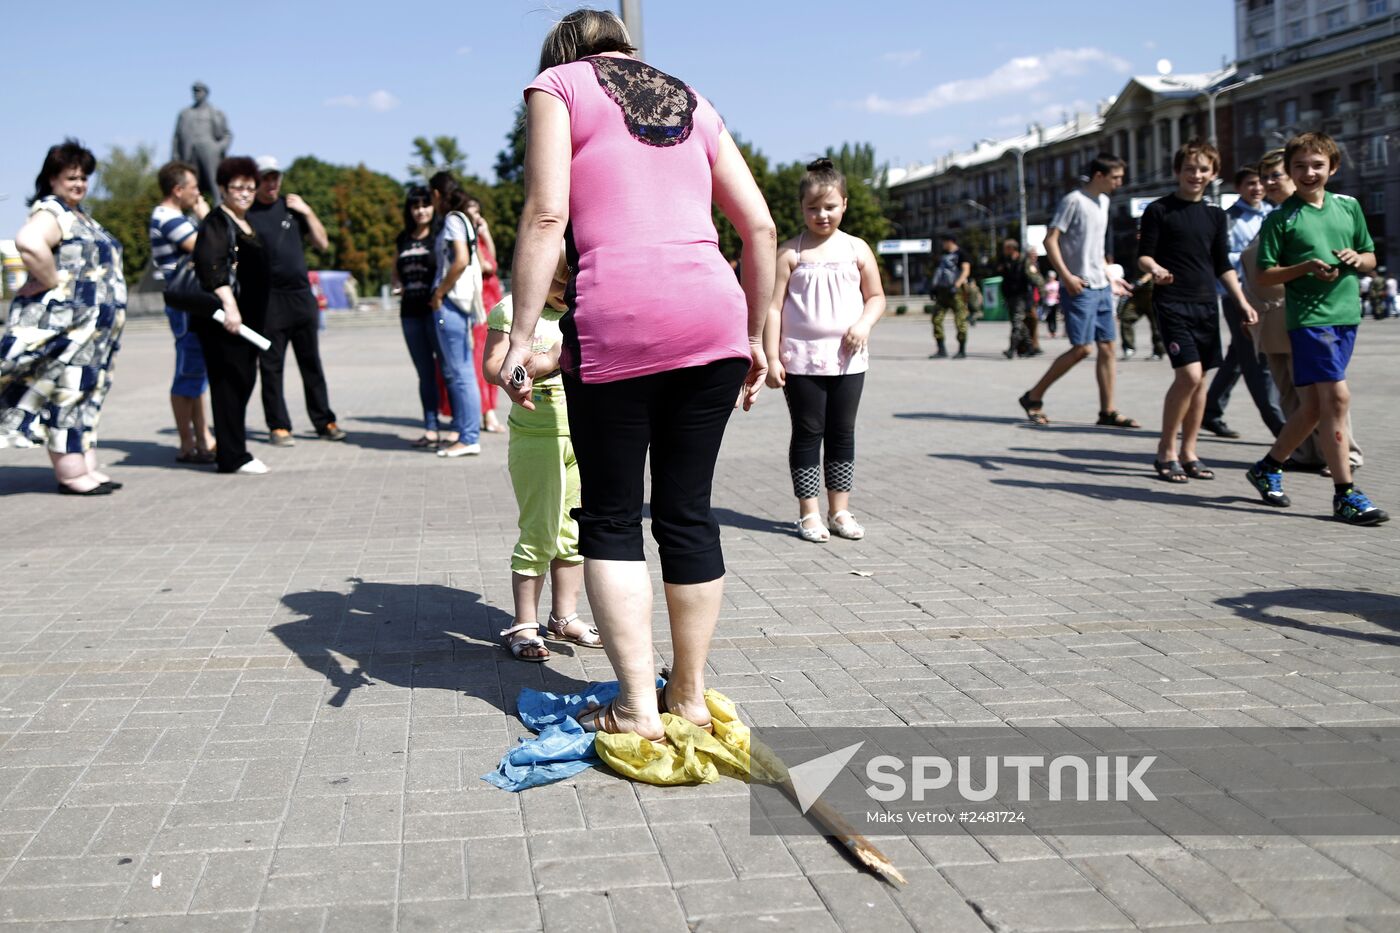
(896, 247)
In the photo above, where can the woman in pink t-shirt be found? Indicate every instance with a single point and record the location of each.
(621, 164)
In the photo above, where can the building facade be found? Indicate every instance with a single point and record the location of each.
(1331, 65)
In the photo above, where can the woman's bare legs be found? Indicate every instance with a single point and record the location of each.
(619, 591)
(90, 459)
(71, 470)
(694, 611)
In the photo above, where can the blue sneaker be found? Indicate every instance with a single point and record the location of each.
(1355, 509)
(1269, 484)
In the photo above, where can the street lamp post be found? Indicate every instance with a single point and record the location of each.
(632, 18)
(1021, 189)
(991, 222)
(1210, 96)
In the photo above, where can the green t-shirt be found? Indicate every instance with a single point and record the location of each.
(550, 417)
(1297, 232)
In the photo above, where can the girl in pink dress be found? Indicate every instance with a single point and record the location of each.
(827, 298)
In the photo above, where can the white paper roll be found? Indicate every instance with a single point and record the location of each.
(246, 332)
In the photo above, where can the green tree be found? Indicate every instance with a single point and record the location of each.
(509, 192)
(124, 193)
(362, 211)
(441, 153)
(367, 207)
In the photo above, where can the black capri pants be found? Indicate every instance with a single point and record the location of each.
(679, 416)
(823, 408)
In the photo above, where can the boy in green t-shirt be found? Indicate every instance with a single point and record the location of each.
(1315, 244)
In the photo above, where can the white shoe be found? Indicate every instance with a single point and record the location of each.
(254, 467)
(460, 450)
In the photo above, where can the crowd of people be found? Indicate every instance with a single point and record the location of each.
(628, 336)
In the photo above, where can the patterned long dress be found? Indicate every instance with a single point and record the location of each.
(57, 352)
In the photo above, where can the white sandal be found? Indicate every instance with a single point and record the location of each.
(517, 646)
(558, 629)
(849, 529)
(817, 535)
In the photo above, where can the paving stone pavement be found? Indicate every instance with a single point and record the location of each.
(276, 694)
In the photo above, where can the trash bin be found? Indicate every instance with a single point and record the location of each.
(993, 307)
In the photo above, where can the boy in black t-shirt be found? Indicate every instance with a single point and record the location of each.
(1185, 248)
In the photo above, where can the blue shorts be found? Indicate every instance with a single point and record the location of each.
(1321, 354)
(191, 378)
(1089, 316)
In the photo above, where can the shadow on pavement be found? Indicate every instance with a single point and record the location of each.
(392, 420)
(148, 454)
(18, 480)
(997, 463)
(1054, 427)
(735, 519)
(415, 636)
(1290, 608)
(1157, 494)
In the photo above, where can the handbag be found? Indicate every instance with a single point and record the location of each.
(183, 290)
(466, 292)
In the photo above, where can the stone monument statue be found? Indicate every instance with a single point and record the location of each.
(202, 138)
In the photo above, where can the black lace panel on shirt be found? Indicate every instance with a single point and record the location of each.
(659, 109)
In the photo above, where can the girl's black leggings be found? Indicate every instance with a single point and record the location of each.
(823, 408)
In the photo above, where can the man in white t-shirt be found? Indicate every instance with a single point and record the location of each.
(1075, 247)
(172, 234)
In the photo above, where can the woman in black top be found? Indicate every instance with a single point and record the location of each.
(413, 280)
(242, 286)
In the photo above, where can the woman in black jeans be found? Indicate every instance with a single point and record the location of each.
(242, 287)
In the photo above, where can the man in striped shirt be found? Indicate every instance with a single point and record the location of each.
(173, 235)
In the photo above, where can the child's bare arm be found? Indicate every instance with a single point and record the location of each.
(1231, 281)
(1361, 262)
(1282, 275)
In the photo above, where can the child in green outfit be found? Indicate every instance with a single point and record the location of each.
(545, 478)
(1315, 244)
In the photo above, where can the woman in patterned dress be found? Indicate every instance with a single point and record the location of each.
(64, 326)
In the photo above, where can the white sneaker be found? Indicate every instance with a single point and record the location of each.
(254, 467)
(460, 450)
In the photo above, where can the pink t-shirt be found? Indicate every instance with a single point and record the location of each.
(651, 291)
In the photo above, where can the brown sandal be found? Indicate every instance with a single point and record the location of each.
(1112, 419)
(601, 719)
(1034, 408)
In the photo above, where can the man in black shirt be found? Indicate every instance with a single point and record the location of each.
(293, 315)
(1018, 276)
(1183, 246)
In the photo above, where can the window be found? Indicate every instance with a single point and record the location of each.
(1263, 42)
(1375, 202)
(1251, 121)
(1334, 18)
(1377, 7)
(1327, 101)
(1297, 32)
(1288, 113)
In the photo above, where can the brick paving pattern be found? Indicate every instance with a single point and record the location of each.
(276, 694)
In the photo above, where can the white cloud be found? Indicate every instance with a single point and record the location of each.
(381, 101)
(904, 58)
(1017, 76)
(1047, 115)
(378, 101)
(464, 50)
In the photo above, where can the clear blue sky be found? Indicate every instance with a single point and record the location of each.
(355, 81)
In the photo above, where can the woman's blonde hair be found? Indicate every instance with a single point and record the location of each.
(582, 33)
